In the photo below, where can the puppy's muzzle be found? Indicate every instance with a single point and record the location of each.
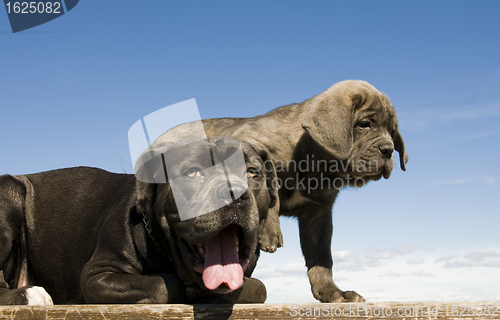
(386, 150)
(237, 193)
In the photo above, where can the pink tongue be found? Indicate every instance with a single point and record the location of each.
(222, 262)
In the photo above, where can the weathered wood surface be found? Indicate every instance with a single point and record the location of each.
(401, 311)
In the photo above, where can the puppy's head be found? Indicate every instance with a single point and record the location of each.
(356, 125)
(210, 208)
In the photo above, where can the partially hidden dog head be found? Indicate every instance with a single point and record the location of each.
(210, 209)
(356, 124)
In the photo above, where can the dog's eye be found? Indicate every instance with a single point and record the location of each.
(365, 124)
(192, 172)
(253, 173)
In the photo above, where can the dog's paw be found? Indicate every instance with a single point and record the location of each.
(330, 294)
(352, 296)
(37, 296)
(326, 291)
(270, 242)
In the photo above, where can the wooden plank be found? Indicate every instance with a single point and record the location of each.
(352, 311)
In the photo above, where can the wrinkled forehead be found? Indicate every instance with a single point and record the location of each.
(217, 149)
(378, 107)
(194, 150)
(175, 157)
(251, 155)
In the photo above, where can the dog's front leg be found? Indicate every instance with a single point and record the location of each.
(271, 237)
(316, 228)
(117, 288)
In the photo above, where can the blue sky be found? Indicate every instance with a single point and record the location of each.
(71, 88)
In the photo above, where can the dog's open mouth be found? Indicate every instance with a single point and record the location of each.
(222, 259)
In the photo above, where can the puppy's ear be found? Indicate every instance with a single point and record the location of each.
(271, 237)
(329, 119)
(271, 178)
(146, 193)
(400, 147)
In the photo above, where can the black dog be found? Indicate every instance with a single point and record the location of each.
(89, 236)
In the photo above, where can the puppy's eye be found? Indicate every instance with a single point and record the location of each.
(253, 173)
(192, 172)
(365, 124)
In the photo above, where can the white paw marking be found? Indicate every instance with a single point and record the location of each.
(37, 296)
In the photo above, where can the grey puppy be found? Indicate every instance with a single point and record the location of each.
(84, 235)
(345, 136)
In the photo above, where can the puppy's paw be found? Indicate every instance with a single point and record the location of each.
(330, 294)
(325, 290)
(37, 296)
(271, 237)
(352, 296)
(270, 242)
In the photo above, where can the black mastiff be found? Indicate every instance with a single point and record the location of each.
(84, 235)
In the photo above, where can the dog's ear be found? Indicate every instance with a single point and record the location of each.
(271, 178)
(146, 194)
(329, 117)
(399, 146)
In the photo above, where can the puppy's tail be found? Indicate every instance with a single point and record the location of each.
(23, 277)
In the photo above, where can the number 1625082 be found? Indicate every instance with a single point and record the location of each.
(33, 7)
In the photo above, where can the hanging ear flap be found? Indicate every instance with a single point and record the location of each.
(271, 179)
(329, 120)
(271, 237)
(399, 146)
(146, 193)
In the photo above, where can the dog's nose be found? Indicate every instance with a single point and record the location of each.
(386, 150)
(240, 192)
(223, 194)
(236, 192)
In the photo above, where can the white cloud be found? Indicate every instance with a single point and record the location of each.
(490, 259)
(409, 248)
(481, 255)
(415, 261)
(423, 273)
(393, 274)
(470, 263)
(426, 117)
(479, 179)
(483, 134)
(446, 258)
(345, 260)
(411, 274)
(375, 255)
(293, 268)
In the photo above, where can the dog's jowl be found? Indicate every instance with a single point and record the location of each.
(84, 235)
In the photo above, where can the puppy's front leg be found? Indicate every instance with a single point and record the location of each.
(32, 296)
(316, 228)
(117, 288)
(271, 237)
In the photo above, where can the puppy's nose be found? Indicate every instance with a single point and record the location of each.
(386, 150)
(223, 194)
(240, 192)
(236, 192)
